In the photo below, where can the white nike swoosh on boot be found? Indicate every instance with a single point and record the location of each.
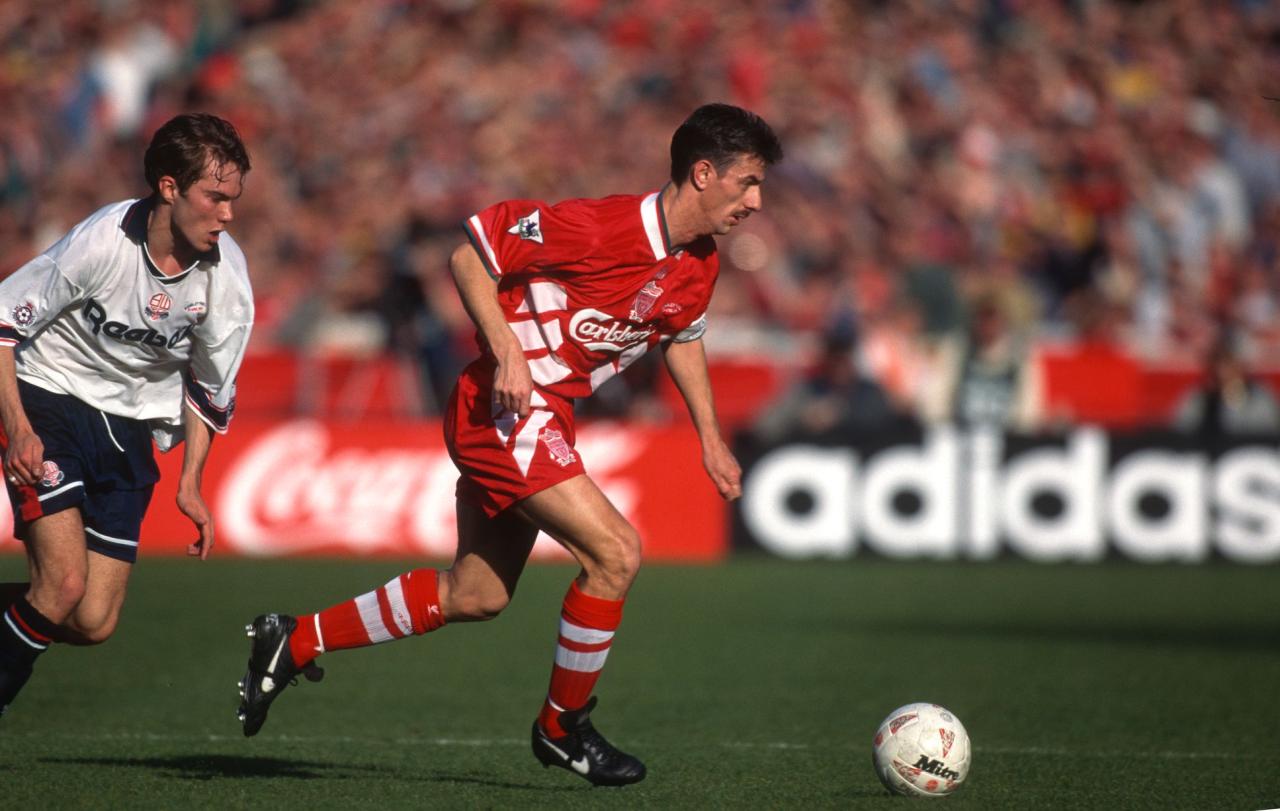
(268, 683)
(581, 766)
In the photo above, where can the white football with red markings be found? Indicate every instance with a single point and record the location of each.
(921, 750)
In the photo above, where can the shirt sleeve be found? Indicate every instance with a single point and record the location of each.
(692, 332)
(34, 294)
(517, 236)
(209, 382)
(218, 348)
(698, 327)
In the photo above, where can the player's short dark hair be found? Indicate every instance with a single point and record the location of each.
(721, 133)
(185, 144)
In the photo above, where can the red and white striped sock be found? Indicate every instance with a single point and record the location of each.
(587, 625)
(407, 605)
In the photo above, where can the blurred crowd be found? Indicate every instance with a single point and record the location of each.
(964, 179)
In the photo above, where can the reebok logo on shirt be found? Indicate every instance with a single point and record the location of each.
(97, 318)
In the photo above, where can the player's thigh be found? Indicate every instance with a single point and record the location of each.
(96, 615)
(578, 514)
(58, 562)
(492, 553)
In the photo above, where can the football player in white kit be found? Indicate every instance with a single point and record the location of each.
(129, 330)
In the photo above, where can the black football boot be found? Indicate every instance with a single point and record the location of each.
(585, 752)
(271, 668)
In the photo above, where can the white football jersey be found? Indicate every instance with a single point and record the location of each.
(94, 318)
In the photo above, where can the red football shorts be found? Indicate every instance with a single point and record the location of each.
(503, 458)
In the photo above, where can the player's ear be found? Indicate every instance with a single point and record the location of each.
(702, 173)
(168, 188)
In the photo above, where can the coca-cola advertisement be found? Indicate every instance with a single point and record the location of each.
(313, 487)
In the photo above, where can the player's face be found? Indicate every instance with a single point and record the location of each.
(203, 212)
(734, 194)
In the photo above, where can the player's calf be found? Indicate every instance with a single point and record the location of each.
(25, 633)
(12, 679)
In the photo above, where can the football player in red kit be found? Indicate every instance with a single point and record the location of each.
(564, 297)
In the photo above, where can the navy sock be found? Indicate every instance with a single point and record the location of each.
(25, 633)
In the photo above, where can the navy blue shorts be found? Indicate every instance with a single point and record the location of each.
(98, 462)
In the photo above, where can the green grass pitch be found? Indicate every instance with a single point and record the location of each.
(757, 684)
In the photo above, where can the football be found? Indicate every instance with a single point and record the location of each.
(921, 750)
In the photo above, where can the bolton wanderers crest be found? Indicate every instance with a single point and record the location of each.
(158, 308)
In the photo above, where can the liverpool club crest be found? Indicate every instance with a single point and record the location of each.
(558, 448)
(645, 299)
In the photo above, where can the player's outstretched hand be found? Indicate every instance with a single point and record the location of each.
(723, 469)
(24, 459)
(192, 505)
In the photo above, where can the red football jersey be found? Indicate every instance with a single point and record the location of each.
(588, 286)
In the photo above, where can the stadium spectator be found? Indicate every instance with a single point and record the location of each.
(832, 397)
(1067, 139)
(131, 327)
(987, 375)
(563, 298)
(1229, 401)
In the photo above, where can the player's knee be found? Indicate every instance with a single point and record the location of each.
(92, 625)
(98, 629)
(466, 598)
(477, 606)
(59, 595)
(620, 562)
(102, 631)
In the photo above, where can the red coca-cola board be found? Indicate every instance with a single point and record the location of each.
(387, 489)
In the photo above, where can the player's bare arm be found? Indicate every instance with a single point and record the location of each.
(687, 364)
(25, 454)
(512, 383)
(198, 438)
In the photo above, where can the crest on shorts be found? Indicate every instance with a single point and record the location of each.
(557, 447)
(24, 315)
(529, 226)
(51, 475)
(158, 308)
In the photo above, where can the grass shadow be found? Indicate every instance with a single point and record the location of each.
(482, 781)
(844, 797)
(210, 767)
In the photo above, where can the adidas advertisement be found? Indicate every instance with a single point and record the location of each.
(957, 494)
